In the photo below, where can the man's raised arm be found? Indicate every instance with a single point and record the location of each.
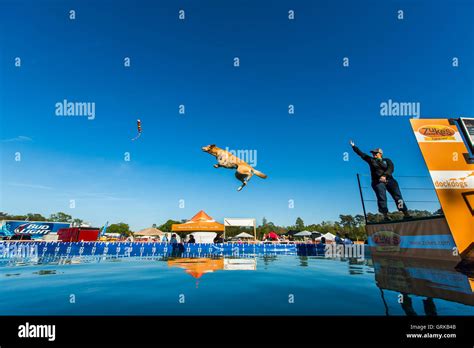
(363, 155)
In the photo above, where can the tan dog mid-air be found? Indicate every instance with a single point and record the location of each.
(227, 160)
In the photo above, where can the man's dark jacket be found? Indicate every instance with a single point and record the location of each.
(378, 168)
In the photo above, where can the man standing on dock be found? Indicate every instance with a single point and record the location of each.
(381, 170)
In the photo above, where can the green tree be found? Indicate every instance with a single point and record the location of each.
(347, 222)
(35, 217)
(6, 216)
(60, 217)
(360, 220)
(121, 228)
(268, 227)
(166, 227)
(299, 224)
(77, 222)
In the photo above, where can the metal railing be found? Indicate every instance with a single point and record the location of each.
(400, 179)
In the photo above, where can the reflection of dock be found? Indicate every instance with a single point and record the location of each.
(425, 278)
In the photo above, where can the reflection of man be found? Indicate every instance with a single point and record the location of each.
(407, 305)
(381, 170)
(429, 307)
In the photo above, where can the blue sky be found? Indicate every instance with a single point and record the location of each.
(190, 62)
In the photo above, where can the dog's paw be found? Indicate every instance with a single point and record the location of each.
(216, 166)
(240, 188)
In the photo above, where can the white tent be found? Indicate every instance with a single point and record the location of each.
(243, 235)
(202, 237)
(303, 234)
(328, 236)
(112, 235)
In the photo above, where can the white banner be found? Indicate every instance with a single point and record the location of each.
(239, 222)
(452, 179)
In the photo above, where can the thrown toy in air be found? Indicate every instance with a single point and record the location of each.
(139, 129)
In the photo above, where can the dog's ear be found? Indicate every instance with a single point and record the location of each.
(213, 145)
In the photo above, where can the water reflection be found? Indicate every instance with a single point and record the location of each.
(267, 259)
(196, 267)
(45, 272)
(408, 285)
(303, 261)
(423, 278)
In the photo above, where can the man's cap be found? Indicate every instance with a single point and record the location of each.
(377, 150)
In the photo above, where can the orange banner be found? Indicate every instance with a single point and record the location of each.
(444, 150)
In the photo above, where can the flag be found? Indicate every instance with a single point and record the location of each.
(104, 229)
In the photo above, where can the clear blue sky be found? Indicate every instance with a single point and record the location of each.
(190, 62)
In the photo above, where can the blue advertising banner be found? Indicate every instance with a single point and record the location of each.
(36, 229)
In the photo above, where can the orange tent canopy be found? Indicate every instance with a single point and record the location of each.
(199, 222)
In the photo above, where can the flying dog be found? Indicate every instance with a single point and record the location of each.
(227, 160)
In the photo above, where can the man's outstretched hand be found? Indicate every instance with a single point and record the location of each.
(352, 143)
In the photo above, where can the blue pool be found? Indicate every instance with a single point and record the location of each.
(154, 279)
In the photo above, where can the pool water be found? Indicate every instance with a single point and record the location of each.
(258, 285)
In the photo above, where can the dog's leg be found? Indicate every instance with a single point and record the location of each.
(245, 182)
(217, 165)
(247, 179)
(242, 180)
(241, 177)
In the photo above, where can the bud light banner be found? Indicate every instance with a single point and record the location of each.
(35, 229)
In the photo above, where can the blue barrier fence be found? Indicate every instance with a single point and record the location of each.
(133, 249)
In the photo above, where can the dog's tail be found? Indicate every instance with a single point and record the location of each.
(259, 174)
